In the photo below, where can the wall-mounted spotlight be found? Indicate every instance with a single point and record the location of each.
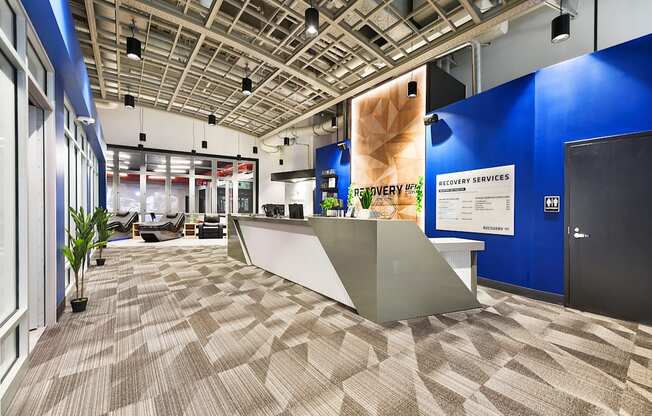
(255, 150)
(130, 101)
(133, 44)
(204, 144)
(247, 85)
(212, 120)
(430, 119)
(342, 146)
(312, 21)
(560, 26)
(412, 89)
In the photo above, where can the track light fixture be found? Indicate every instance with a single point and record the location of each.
(560, 26)
(133, 44)
(212, 120)
(246, 82)
(130, 101)
(312, 21)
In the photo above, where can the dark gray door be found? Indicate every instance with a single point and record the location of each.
(609, 226)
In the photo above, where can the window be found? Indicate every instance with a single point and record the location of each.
(8, 217)
(8, 21)
(156, 198)
(36, 68)
(8, 352)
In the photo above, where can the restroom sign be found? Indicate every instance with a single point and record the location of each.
(551, 203)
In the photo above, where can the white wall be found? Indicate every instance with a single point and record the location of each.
(527, 47)
(170, 131)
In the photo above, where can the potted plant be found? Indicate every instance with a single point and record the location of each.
(103, 233)
(366, 198)
(419, 194)
(329, 205)
(76, 252)
(350, 201)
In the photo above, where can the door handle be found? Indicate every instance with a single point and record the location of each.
(580, 235)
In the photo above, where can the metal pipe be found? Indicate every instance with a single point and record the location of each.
(476, 67)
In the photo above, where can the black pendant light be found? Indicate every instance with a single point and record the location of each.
(280, 162)
(560, 26)
(130, 101)
(286, 141)
(212, 120)
(204, 144)
(412, 89)
(255, 150)
(142, 136)
(246, 82)
(133, 45)
(312, 21)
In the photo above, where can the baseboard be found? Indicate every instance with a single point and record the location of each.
(61, 307)
(522, 291)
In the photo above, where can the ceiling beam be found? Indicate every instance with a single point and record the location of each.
(464, 34)
(92, 28)
(171, 15)
(471, 10)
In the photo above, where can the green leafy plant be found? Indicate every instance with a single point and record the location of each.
(366, 198)
(330, 203)
(102, 228)
(419, 191)
(79, 245)
(350, 199)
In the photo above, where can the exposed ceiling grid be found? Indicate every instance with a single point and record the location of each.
(195, 51)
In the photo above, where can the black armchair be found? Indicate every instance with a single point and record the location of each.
(211, 227)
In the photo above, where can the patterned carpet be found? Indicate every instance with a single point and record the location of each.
(187, 331)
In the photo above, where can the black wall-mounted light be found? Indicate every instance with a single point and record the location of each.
(130, 101)
(280, 162)
(286, 141)
(560, 26)
(204, 144)
(255, 150)
(133, 45)
(142, 137)
(312, 21)
(212, 120)
(412, 89)
(247, 85)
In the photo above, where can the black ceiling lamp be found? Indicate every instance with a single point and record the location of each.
(560, 26)
(312, 21)
(280, 162)
(412, 89)
(255, 150)
(142, 136)
(212, 120)
(130, 101)
(286, 141)
(247, 85)
(204, 144)
(133, 45)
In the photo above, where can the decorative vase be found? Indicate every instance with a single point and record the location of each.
(100, 262)
(79, 305)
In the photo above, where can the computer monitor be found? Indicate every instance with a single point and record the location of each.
(296, 211)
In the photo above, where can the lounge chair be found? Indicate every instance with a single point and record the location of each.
(212, 227)
(121, 223)
(169, 227)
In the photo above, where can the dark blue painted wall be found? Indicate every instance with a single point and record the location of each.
(526, 122)
(55, 28)
(331, 157)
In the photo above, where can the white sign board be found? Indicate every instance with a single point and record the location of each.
(478, 201)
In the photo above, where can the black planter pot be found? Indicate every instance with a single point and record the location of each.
(79, 305)
(100, 262)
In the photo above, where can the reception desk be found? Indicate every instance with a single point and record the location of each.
(386, 270)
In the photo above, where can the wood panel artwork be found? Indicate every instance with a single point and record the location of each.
(388, 144)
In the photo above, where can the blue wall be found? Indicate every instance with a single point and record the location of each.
(331, 157)
(55, 28)
(526, 123)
